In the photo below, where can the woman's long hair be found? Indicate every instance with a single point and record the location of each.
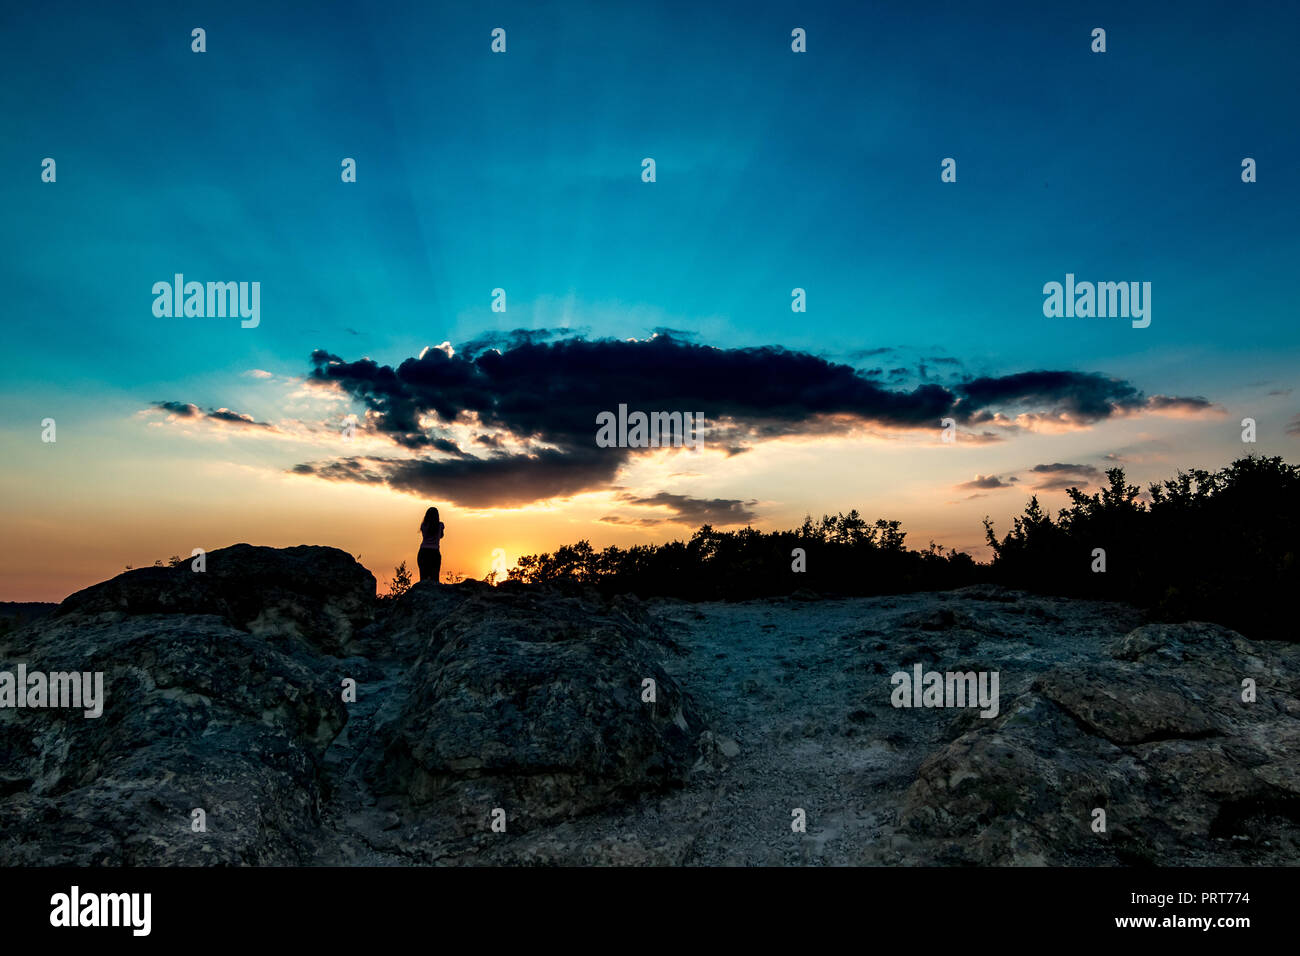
(430, 522)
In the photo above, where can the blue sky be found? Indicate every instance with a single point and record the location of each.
(775, 170)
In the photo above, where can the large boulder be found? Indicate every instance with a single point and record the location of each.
(220, 695)
(402, 626)
(1158, 737)
(533, 703)
(196, 715)
(320, 595)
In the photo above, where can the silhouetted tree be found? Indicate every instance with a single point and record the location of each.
(1218, 546)
(401, 582)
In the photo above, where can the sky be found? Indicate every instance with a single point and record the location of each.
(522, 170)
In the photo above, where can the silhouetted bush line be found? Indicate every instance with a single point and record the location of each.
(1216, 546)
(844, 555)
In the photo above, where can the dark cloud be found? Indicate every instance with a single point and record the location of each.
(546, 395)
(552, 391)
(718, 512)
(1063, 467)
(446, 445)
(497, 481)
(1059, 476)
(183, 409)
(235, 418)
(1181, 405)
(985, 437)
(542, 389)
(986, 482)
(505, 341)
(222, 415)
(941, 368)
(1081, 397)
(344, 469)
(1293, 426)
(674, 333)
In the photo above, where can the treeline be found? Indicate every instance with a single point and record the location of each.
(840, 554)
(1217, 546)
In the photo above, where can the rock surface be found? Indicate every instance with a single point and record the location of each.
(225, 693)
(535, 703)
(198, 715)
(320, 595)
(1159, 739)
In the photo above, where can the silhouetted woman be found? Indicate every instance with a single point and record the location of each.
(429, 559)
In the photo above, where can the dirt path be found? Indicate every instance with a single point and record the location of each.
(797, 696)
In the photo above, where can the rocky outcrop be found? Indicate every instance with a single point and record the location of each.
(1157, 735)
(402, 626)
(319, 595)
(536, 704)
(197, 715)
(219, 697)
(225, 694)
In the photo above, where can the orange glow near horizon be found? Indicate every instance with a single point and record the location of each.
(171, 492)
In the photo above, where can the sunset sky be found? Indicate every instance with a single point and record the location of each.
(522, 171)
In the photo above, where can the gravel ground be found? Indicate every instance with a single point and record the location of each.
(797, 696)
